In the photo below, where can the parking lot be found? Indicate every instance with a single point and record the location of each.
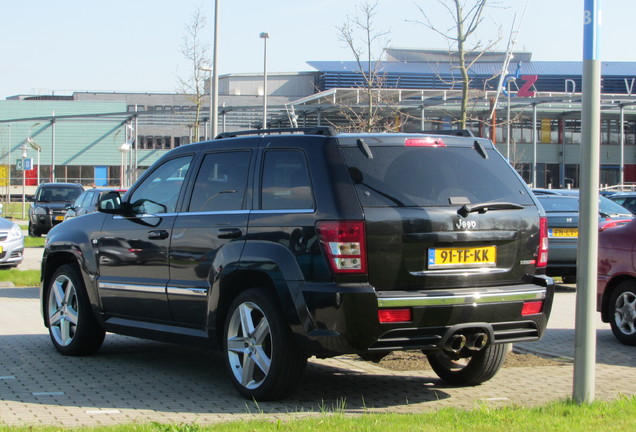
(144, 381)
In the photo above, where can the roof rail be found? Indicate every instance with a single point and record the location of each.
(320, 130)
(454, 132)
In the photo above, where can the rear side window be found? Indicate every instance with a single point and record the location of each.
(221, 182)
(286, 182)
(432, 176)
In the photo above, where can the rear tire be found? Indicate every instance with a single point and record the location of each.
(470, 371)
(73, 328)
(261, 355)
(569, 279)
(33, 231)
(621, 311)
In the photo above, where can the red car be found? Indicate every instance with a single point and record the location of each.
(616, 288)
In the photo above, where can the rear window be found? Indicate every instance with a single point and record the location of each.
(559, 204)
(552, 203)
(432, 176)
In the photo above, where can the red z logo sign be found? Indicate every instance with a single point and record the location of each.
(525, 91)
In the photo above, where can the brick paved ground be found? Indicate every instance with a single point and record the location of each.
(143, 381)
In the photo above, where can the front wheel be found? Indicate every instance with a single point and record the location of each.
(73, 328)
(33, 231)
(469, 371)
(261, 355)
(621, 311)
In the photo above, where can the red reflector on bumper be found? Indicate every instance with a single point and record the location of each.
(394, 315)
(532, 308)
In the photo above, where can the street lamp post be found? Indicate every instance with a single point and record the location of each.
(264, 36)
(214, 85)
(24, 156)
(53, 148)
(211, 78)
(35, 146)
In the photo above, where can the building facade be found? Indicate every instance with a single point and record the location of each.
(531, 110)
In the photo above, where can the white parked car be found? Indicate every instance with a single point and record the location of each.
(11, 243)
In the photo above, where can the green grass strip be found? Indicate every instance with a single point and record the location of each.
(21, 278)
(618, 415)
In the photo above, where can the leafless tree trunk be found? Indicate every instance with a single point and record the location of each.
(196, 51)
(367, 46)
(467, 16)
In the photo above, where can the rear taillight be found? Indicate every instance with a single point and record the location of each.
(542, 256)
(424, 142)
(394, 315)
(532, 308)
(612, 223)
(345, 246)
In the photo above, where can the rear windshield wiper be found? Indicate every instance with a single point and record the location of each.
(466, 209)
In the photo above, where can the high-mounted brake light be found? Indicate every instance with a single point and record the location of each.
(424, 142)
(542, 253)
(345, 245)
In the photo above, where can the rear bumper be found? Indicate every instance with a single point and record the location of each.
(346, 318)
(562, 258)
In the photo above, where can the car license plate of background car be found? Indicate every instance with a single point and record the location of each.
(563, 232)
(59, 218)
(462, 257)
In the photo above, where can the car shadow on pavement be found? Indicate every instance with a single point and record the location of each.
(130, 373)
(20, 292)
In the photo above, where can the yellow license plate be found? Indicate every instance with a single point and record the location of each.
(462, 257)
(59, 218)
(1, 250)
(563, 232)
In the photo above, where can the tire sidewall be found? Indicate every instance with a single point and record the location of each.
(622, 288)
(283, 347)
(482, 366)
(89, 336)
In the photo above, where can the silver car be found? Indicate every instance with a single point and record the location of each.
(11, 243)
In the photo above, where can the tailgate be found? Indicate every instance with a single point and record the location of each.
(435, 248)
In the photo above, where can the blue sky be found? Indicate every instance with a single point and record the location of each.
(133, 45)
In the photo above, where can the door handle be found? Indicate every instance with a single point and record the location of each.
(229, 233)
(157, 235)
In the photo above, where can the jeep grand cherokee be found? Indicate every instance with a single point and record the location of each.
(278, 245)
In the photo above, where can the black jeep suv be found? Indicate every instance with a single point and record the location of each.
(278, 245)
(49, 205)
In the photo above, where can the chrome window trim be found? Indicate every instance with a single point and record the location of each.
(144, 216)
(286, 211)
(203, 213)
(466, 299)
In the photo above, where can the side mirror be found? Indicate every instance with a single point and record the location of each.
(110, 202)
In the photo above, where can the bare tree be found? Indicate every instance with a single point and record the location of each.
(467, 16)
(196, 51)
(367, 45)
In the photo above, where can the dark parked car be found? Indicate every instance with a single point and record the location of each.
(48, 205)
(562, 211)
(616, 287)
(625, 199)
(87, 202)
(276, 246)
